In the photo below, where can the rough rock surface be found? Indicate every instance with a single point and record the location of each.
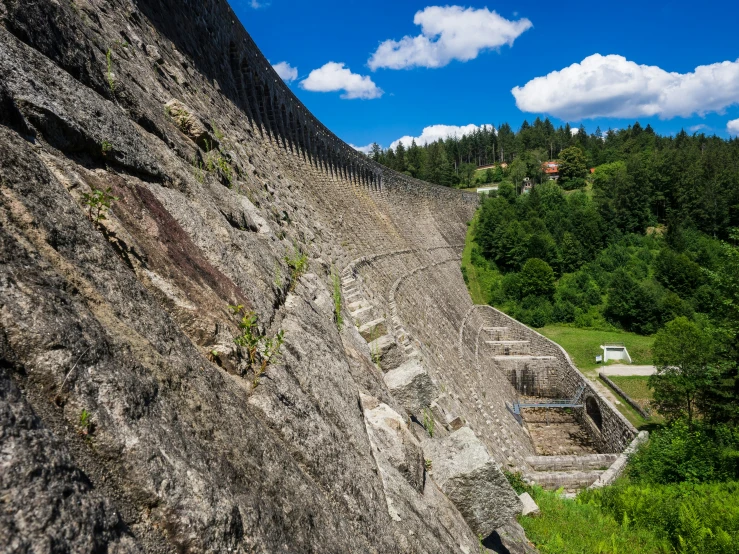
(386, 352)
(392, 441)
(130, 420)
(467, 474)
(411, 384)
(510, 539)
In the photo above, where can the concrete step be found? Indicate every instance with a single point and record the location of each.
(360, 312)
(356, 305)
(553, 480)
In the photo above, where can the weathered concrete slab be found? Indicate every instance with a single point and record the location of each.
(411, 385)
(468, 475)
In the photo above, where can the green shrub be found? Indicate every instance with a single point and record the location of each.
(675, 453)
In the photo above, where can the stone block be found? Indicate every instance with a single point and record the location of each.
(470, 478)
(190, 124)
(530, 508)
(411, 385)
(386, 352)
(373, 329)
(445, 409)
(511, 538)
(392, 442)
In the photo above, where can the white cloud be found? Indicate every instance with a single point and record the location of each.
(334, 77)
(363, 149)
(733, 127)
(448, 33)
(696, 128)
(612, 86)
(256, 4)
(436, 132)
(286, 72)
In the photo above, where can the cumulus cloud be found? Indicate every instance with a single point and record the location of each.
(436, 132)
(448, 33)
(612, 86)
(334, 77)
(733, 127)
(286, 72)
(363, 149)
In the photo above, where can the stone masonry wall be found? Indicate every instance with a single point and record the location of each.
(187, 448)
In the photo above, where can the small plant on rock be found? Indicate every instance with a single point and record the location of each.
(278, 277)
(98, 202)
(428, 464)
(85, 423)
(270, 351)
(261, 351)
(428, 422)
(197, 164)
(217, 132)
(338, 318)
(106, 148)
(109, 73)
(298, 264)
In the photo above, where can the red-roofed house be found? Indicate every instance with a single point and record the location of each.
(551, 170)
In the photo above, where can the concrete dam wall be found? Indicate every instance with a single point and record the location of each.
(131, 420)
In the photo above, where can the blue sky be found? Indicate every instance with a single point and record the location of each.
(460, 64)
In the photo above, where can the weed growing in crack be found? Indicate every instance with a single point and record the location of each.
(298, 264)
(85, 424)
(197, 164)
(261, 351)
(217, 132)
(338, 318)
(98, 202)
(109, 72)
(428, 422)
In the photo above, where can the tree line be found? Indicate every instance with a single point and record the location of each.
(655, 178)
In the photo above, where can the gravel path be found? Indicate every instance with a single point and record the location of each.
(626, 370)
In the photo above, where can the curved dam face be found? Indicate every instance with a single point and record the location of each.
(166, 203)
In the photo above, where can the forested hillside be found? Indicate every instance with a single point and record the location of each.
(645, 178)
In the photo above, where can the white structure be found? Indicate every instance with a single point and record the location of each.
(615, 351)
(485, 190)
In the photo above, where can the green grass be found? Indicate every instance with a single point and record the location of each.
(638, 390)
(635, 417)
(478, 279)
(635, 386)
(570, 527)
(583, 345)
